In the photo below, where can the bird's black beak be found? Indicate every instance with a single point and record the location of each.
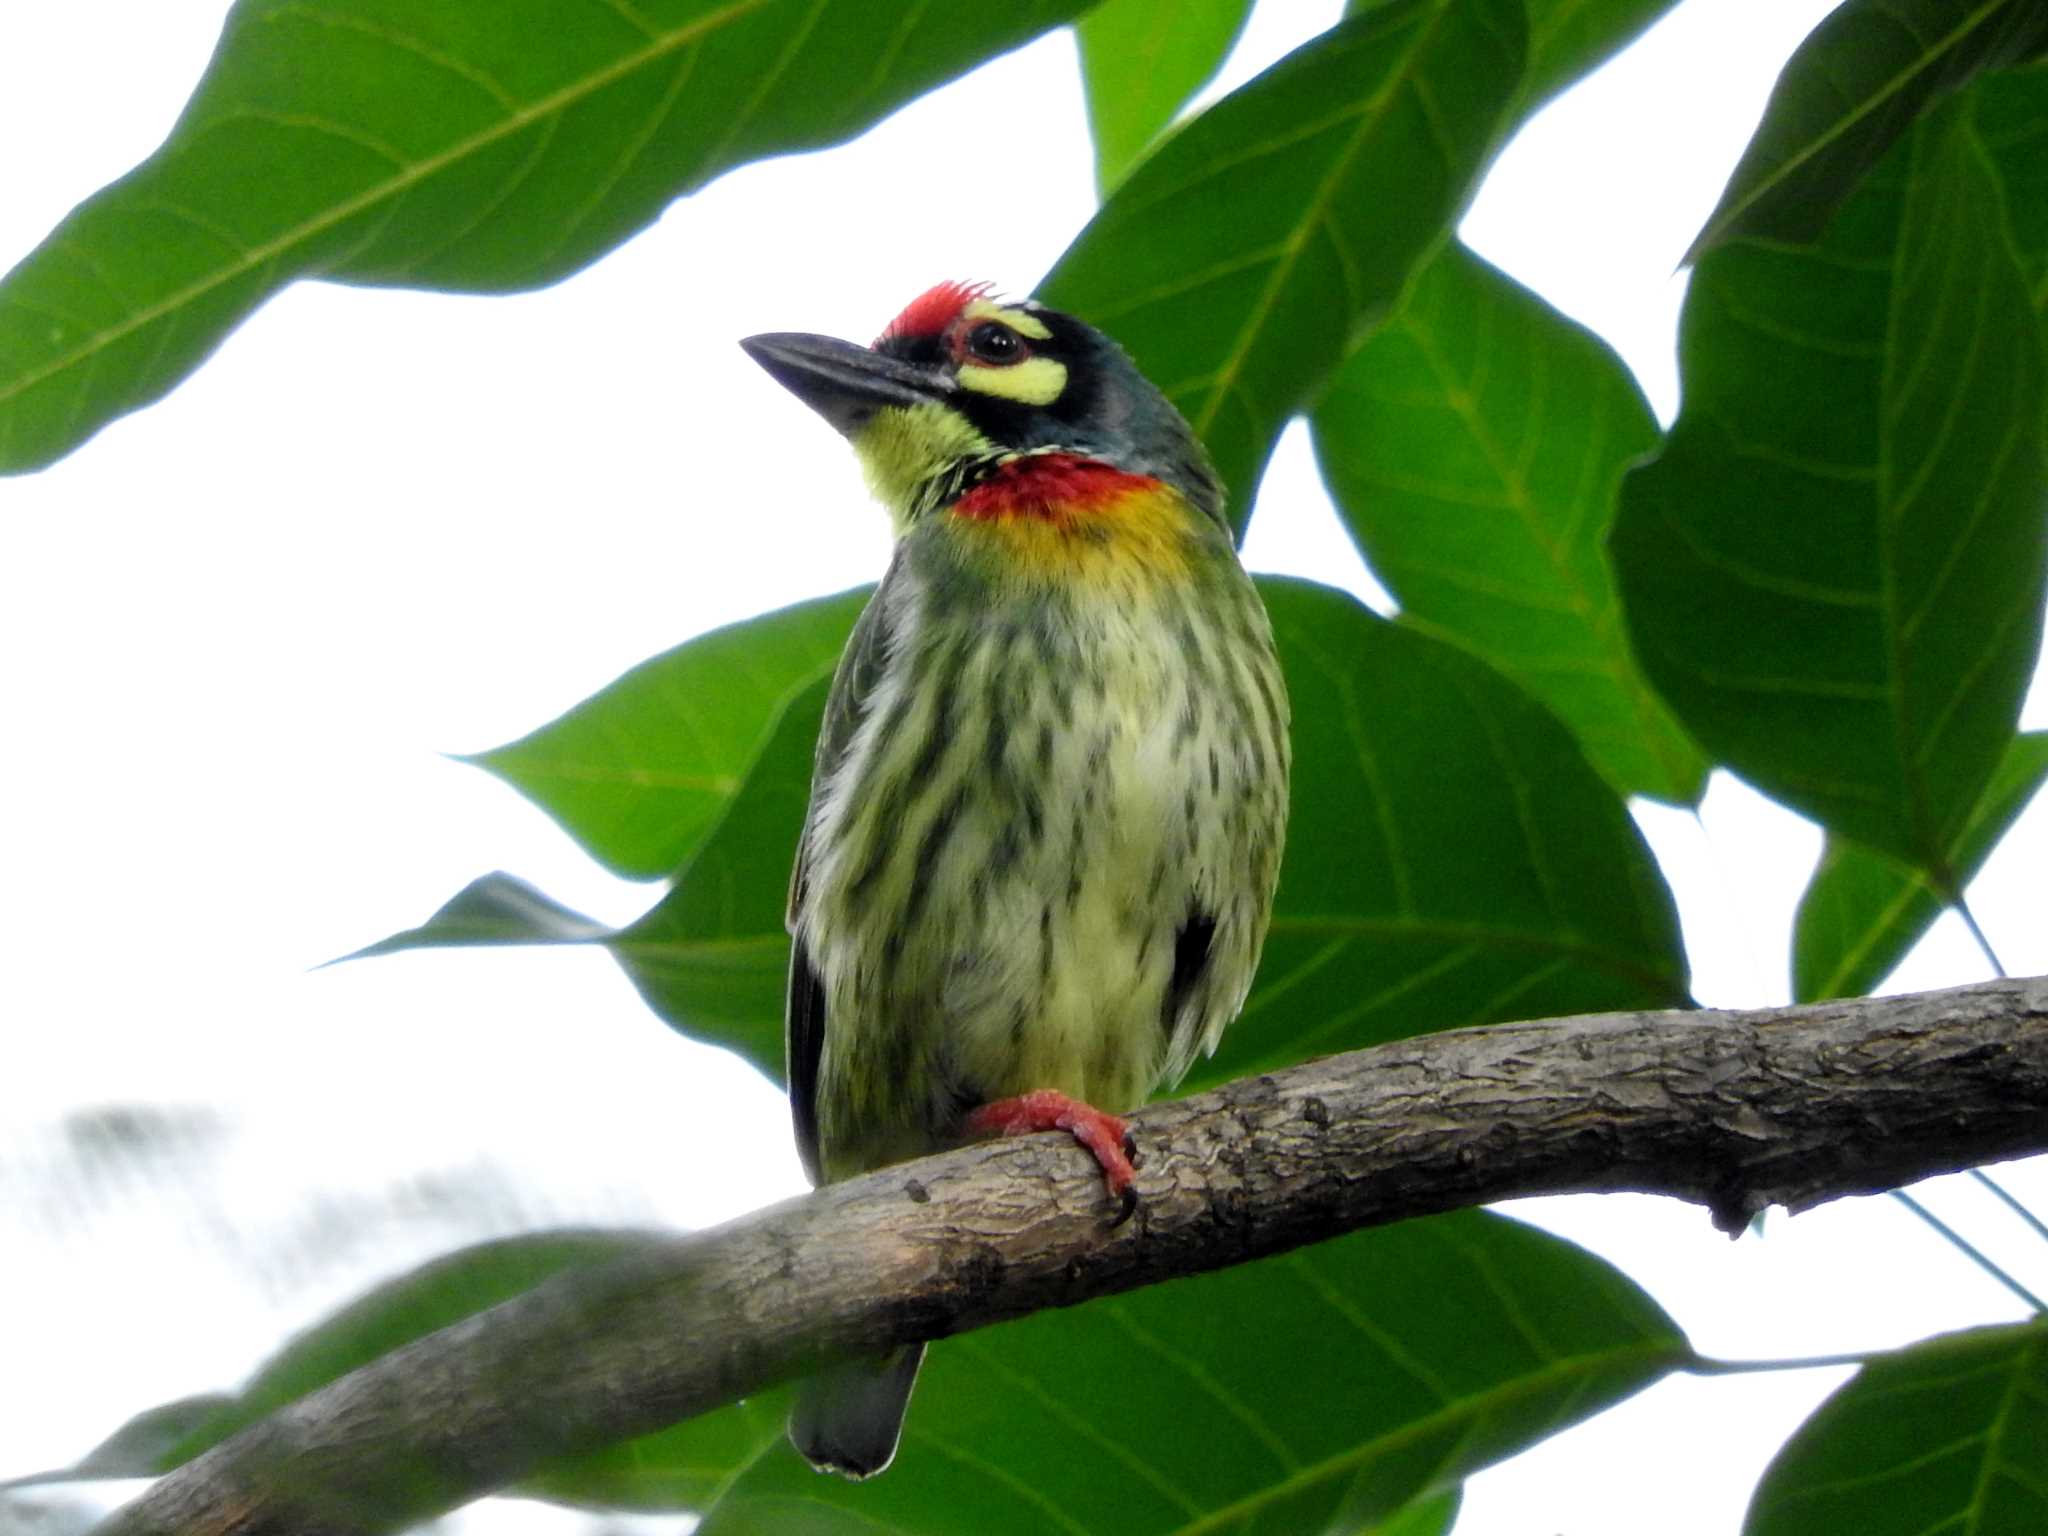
(844, 383)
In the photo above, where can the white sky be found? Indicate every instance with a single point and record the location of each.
(241, 626)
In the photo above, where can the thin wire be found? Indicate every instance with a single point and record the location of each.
(2012, 1202)
(1969, 1250)
(1970, 922)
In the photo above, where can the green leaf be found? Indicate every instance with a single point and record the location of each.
(641, 771)
(1949, 1435)
(1321, 1391)
(1240, 261)
(712, 958)
(481, 145)
(1474, 445)
(1833, 573)
(492, 909)
(1863, 910)
(1140, 62)
(1431, 1516)
(1851, 91)
(2012, 119)
(1452, 858)
(1568, 39)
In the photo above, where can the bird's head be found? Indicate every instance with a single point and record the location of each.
(961, 385)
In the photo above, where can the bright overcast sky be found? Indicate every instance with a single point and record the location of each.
(242, 625)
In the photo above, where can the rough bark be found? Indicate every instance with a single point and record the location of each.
(1735, 1110)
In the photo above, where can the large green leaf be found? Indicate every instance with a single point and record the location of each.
(1452, 858)
(1239, 261)
(1474, 444)
(1140, 62)
(641, 770)
(1322, 1391)
(1948, 1436)
(1863, 910)
(1833, 573)
(1850, 92)
(469, 144)
(2012, 118)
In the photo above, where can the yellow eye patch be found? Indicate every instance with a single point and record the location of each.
(1031, 381)
(1035, 381)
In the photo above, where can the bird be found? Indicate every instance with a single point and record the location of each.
(1049, 796)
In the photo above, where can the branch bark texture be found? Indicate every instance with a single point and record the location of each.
(1735, 1110)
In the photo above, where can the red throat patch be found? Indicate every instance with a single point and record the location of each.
(1049, 487)
(933, 310)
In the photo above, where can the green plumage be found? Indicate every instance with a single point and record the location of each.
(1051, 786)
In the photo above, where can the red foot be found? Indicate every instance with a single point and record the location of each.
(1047, 1109)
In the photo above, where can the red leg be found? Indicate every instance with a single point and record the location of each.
(1106, 1136)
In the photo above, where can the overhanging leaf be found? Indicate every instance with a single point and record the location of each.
(1140, 62)
(1849, 93)
(639, 772)
(1834, 571)
(1863, 911)
(1242, 258)
(1474, 444)
(1949, 1435)
(1322, 1391)
(467, 144)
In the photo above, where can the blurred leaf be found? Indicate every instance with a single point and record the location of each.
(481, 145)
(1570, 38)
(1863, 911)
(137, 1448)
(2012, 120)
(1321, 1391)
(1451, 859)
(1242, 258)
(1854, 87)
(1833, 573)
(1949, 1435)
(408, 1307)
(1140, 62)
(1474, 445)
(639, 772)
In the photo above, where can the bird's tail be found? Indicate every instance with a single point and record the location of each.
(847, 1419)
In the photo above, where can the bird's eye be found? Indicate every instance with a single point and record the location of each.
(993, 342)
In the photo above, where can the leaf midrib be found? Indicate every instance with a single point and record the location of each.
(255, 257)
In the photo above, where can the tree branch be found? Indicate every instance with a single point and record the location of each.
(1735, 1110)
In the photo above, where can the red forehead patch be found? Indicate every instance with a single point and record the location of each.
(933, 310)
